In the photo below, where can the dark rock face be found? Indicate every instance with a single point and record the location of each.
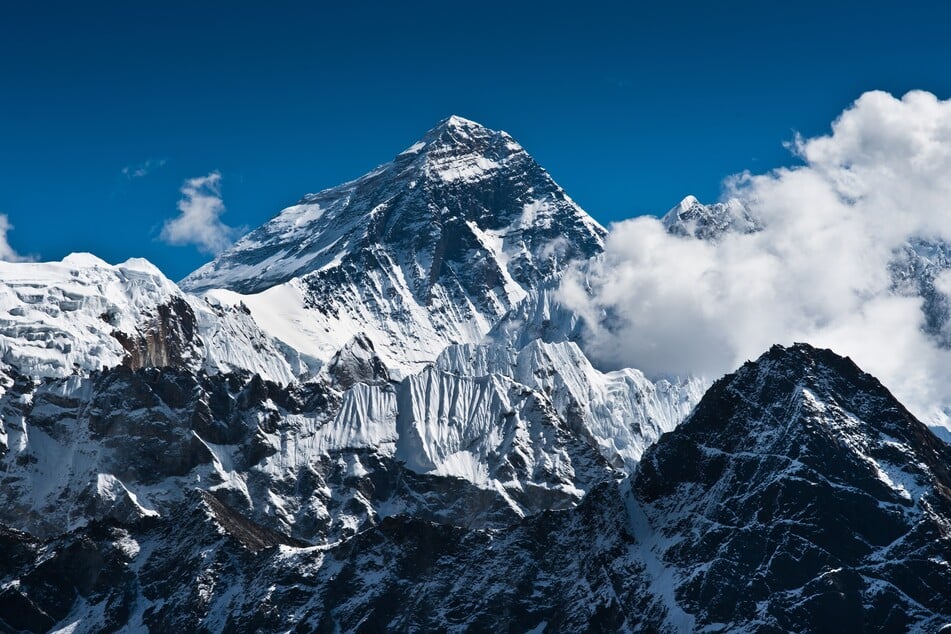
(83, 438)
(357, 363)
(799, 496)
(167, 340)
(83, 447)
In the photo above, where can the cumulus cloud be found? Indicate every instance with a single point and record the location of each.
(7, 253)
(142, 169)
(199, 222)
(818, 272)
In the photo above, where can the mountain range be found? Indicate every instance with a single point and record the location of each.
(374, 413)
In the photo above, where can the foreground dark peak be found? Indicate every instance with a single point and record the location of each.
(804, 497)
(816, 411)
(821, 384)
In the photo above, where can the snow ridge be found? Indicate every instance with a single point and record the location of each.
(82, 315)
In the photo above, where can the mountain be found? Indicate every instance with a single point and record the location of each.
(430, 249)
(915, 272)
(484, 437)
(691, 218)
(374, 413)
(82, 315)
(799, 496)
(120, 393)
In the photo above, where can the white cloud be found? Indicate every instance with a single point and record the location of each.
(199, 222)
(142, 169)
(7, 253)
(816, 273)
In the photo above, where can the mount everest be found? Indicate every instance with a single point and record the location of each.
(376, 412)
(430, 249)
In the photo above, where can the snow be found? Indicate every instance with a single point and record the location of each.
(494, 243)
(60, 318)
(111, 489)
(366, 419)
(469, 169)
(69, 628)
(129, 546)
(687, 202)
(853, 434)
(441, 415)
(414, 148)
(650, 546)
(457, 122)
(464, 464)
(361, 258)
(335, 262)
(623, 411)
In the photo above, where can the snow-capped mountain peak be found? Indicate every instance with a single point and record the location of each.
(455, 130)
(691, 218)
(689, 201)
(430, 249)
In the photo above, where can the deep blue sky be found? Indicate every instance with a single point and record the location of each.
(629, 105)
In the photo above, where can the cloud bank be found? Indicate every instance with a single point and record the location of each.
(8, 253)
(818, 271)
(199, 222)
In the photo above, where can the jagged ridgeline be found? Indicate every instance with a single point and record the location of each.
(372, 413)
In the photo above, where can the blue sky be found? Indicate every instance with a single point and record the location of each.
(107, 108)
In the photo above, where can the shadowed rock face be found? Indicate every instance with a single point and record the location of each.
(128, 444)
(165, 340)
(800, 496)
(464, 444)
(356, 363)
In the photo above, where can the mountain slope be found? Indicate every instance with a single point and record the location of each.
(800, 496)
(121, 392)
(82, 315)
(427, 250)
(460, 443)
